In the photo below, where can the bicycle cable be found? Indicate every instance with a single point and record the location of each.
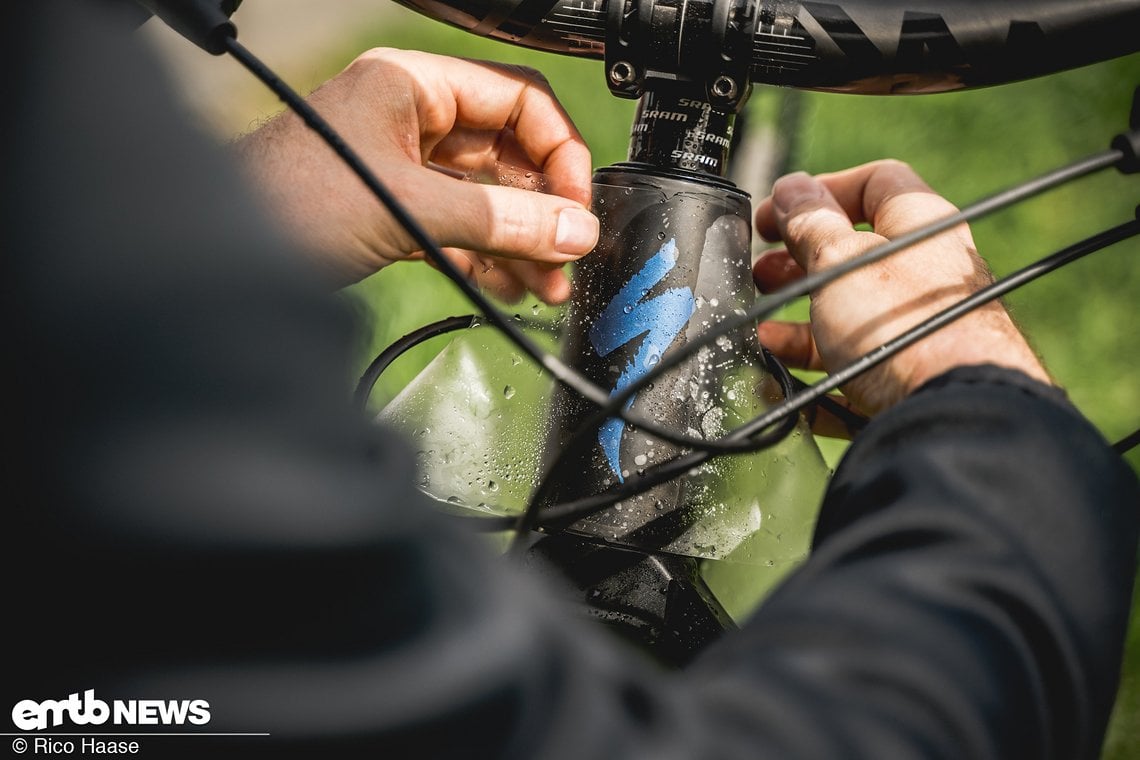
(788, 384)
(735, 441)
(568, 512)
(767, 305)
(613, 405)
(807, 395)
(558, 369)
(377, 366)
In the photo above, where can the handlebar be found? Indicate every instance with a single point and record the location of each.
(858, 46)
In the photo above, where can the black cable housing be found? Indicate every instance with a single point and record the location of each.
(421, 334)
(206, 23)
(558, 369)
(781, 420)
(393, 351)
(768, 305)
(556, 516)
(1126, 444)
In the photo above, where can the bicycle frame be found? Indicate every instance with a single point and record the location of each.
(692, 65)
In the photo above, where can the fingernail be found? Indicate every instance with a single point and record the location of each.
(577, 231)
(793, 190)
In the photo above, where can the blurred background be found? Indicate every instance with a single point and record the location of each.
(1083, 320)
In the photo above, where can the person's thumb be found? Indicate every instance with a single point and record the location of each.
(811, 222)
(505, 221)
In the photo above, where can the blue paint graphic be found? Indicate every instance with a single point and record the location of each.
(626, 318)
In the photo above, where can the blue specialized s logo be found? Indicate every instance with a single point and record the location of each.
(626, 318)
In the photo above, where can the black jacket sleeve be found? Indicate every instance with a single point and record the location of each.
(195, 512)
(968, 592)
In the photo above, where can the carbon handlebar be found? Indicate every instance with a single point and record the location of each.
(859, 46)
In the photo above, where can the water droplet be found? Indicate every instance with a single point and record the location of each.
(640, 459)
(628, 308)
(714, 302)
(454, 500)
(660, 235)
(509, 392)
(492, 485)
(515, 360)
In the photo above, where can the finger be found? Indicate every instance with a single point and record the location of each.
(825, 423)
(765, 220)
(516, 278)
(483, 153)
(888, 194)
(791, 342)
(451, 92)
(508, 280)
(872, 193)
(547, 281)
(502, 221)
(811, 222)
(484, 273)
(541, 127)
(496, 277)
(774, 269)
(488, 96)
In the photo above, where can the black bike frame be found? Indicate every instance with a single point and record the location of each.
(692, 64)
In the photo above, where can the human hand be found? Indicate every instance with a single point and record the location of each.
(862, 310)
(401, 109)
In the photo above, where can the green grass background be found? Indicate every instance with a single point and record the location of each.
(1083, 320)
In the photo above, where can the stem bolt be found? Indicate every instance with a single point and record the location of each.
(622, 72)
(722, 86)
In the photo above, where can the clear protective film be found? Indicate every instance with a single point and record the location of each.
(488, 424)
